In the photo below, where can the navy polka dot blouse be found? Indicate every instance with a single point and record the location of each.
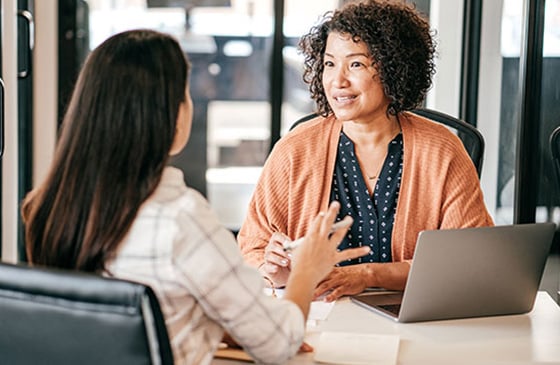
(373, 215)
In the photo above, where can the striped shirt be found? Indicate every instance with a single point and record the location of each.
(178, 247)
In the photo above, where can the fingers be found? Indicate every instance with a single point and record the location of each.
(270, 268)
(320, 292)
(352, 253)
(322, 224)
(323, 221)
(316, 224)
(274, 253)
(334, 294)
(331, 289)
(329, 218)
(275, 259)
(339, 233)
(336, 231)
(276, 243)
(305, 347)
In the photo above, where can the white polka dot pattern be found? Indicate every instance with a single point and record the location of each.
(373, 215)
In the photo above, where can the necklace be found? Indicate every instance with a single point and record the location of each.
(373, 177)
(376, 175)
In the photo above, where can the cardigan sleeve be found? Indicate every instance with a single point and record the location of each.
(267, 209)
(440, 187)
(463, 202)
(293, 187)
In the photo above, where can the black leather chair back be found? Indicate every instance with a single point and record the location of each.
(58, 317)
(470, 136)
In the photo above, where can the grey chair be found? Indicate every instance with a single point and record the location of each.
(470, 136)
(51, 316)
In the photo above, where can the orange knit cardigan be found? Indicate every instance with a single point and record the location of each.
(439, 189)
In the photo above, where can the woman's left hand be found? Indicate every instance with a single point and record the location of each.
(305, 347)
(346, 280)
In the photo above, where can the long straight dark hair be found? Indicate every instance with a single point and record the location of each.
(115, 142)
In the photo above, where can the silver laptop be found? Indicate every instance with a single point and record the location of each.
(471, 272)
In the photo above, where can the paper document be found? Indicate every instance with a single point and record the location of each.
(319, 310)
(357, 348)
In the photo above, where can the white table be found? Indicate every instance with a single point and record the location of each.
(532, 338)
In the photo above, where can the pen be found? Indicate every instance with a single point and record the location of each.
(346, 222)
(289, 246)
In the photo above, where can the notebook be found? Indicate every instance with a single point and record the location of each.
(470, 272)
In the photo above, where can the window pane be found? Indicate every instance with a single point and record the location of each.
(499, 106)
(238, 109)
(498, 100)
(549, 189)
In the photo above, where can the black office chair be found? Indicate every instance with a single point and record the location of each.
(470, 136)
(555, 149)
(50, 316)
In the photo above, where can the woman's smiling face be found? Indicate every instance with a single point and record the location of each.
(351, 83)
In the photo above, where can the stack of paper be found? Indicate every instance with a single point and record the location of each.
(357, 348)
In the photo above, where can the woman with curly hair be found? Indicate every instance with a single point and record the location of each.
(395, 173)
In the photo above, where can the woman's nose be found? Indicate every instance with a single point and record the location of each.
(340, 79)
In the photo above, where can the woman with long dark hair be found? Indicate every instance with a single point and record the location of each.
(111, 206)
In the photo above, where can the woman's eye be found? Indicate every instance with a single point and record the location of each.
(328, 64)
(356, 64)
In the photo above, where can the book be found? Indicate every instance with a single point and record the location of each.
(232, 353)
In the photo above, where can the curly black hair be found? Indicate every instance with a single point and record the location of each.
(399, 40)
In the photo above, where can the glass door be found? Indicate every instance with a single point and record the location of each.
(230, 44)
(520, 59)
(240, 138)
(498, 97)
(548, 198)
(549, 190)
(25, 42)
(1, 131)
(499, 106)
(9, 162)
(232, 85)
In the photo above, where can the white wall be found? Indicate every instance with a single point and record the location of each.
(489, 97)
(45, 87)
(446, 16)
(45, 109)
(9, 160)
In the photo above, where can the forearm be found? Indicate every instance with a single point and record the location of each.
(391, 276)
(300, 290)
(280, 321)
(253, 256)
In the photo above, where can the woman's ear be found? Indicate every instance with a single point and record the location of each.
(182, 126)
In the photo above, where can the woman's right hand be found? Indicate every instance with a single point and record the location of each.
(277, 263)
(319, 252)
(316, 256)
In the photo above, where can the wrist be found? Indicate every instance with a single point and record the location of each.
(305, 274)
(272, 279)
(270, 285)
(267, 279)
(369, 276)
(268, 282)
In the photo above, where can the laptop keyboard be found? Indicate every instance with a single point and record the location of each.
(392, 308)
